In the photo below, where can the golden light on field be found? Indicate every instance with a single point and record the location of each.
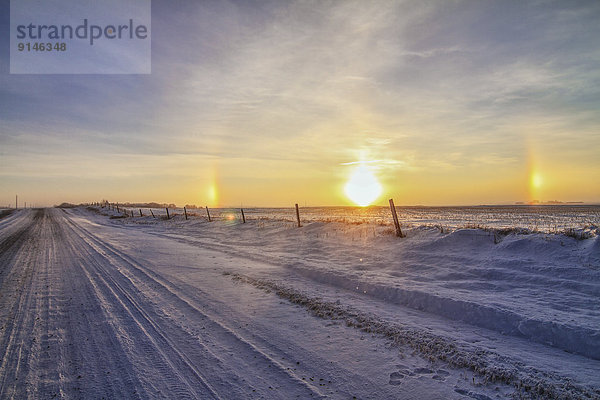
(363, 188)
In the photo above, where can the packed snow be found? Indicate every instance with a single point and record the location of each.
(264, 309)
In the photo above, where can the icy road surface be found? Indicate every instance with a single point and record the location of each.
(95, 309)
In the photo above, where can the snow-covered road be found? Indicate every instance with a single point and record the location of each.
(90, 309)
(81, 319)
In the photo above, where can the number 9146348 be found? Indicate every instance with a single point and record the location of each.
(42, 46)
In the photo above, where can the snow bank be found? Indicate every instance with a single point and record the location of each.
(572, 338)
(543, 287)
(530, 382)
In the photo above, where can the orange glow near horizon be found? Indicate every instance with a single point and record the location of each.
(534, 176)
(536, 182)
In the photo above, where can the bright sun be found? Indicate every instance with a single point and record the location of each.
(363, 187)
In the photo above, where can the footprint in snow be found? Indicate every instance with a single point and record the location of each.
(473, 395)
(440, 375)
(422, 371)
(403, 371)
(396, 378)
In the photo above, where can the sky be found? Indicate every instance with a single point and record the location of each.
(271, 103)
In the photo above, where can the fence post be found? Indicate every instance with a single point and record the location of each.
(298, 215)
(167, 208)
(395, 216)
(185, 212)
(243, 216)
(131, 213)
(152, 213)
(208, 213)
(141, 215)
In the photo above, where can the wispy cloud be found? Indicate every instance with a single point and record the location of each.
(417, 87)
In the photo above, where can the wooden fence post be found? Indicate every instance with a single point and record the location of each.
(243, 216)
(208, 213)
(131, 213)
(185, 212)
(152, 213)
(395, 216)
(141, 215)
(298, 215)
(167, 208)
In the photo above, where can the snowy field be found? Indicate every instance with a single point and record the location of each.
(93, 306)
(533, 218)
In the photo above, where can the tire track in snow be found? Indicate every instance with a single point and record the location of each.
(102, 366)
(50, 346)
(135, 327)
(140, 329)
(17, 257)
(74, 310)
(133, 276)
(261, 340)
